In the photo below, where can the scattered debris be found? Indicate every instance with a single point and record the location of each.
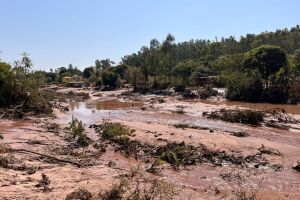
(240, 134)
(44, 155)
(184, 125)
(244, 116)
(270, 151)
(136, 185)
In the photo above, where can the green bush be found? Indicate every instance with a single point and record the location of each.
(78, 132)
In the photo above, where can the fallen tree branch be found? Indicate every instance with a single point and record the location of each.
(44, 155)
(2, 116)
(29, 129)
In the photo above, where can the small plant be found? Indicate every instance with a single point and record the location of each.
(80, 194)
(78, 132)
(76, 127)
(44, 183)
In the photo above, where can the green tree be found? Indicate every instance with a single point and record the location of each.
(88, 72)
(169, 51)
(266, 59)
(110, 79)
(154, 48)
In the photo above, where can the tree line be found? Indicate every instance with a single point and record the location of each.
(257, 68)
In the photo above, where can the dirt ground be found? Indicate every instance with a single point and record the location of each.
(154, 119)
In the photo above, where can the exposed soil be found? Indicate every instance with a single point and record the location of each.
(157, 121)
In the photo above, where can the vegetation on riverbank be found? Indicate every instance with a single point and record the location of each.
(255, 68)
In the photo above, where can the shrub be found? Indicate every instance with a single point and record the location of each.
(113, 131)
(78, 132)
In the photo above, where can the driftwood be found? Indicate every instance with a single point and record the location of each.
(2, 116)
(46, 156)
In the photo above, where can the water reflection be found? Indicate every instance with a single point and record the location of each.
(96, 110)
(104, 105)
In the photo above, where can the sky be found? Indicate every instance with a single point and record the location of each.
(59, 32)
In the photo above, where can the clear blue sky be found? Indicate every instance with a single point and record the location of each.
(59, 32)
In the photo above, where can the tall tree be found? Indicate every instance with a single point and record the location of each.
(154, 48)
(267, 59)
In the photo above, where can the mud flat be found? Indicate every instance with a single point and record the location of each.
(235, 160)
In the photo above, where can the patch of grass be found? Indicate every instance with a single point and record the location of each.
(79, 194)
(243, 116)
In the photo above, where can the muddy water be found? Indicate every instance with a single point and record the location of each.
(292, 109)
(95, 110)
